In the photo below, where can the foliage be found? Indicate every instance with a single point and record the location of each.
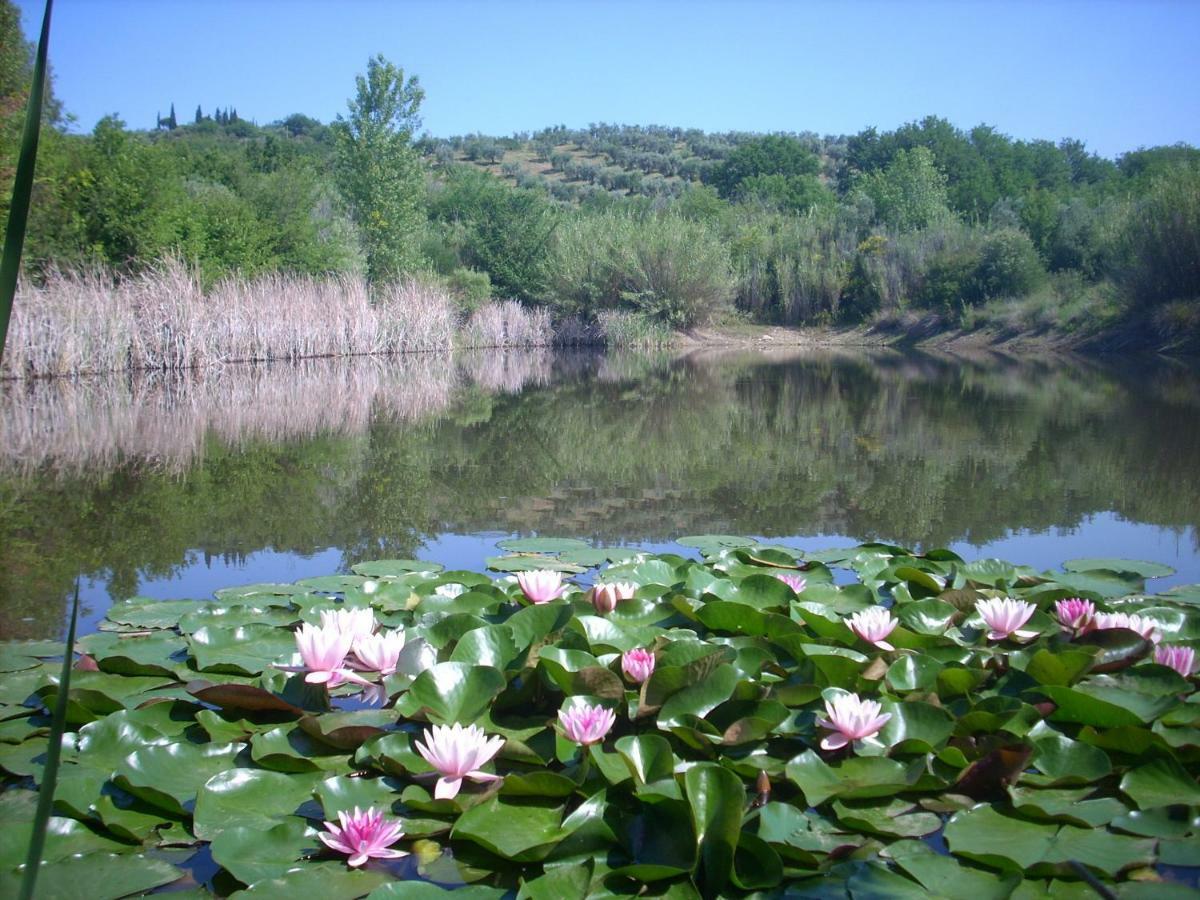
(503, 231)
(1161, 238)
(378, 170)
(671, 269)
(910, 193)
(1015, 759)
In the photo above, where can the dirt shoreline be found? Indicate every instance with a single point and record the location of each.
(932, 334)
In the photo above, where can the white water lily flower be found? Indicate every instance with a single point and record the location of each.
(1004, 617)
(354, 621)
(379, 652)
(457, 753)
(541, 585)
(851, 719)
(322, 654)
(873, 625)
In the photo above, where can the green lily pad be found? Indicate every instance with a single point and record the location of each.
(95, 876)
(1137, 567)
(249, 797)
(252, 854)
(327, 880)
(1163, 782)
(518, 828)
(168, 776)
(455, 691)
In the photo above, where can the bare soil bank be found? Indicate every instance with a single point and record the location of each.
(934, 333)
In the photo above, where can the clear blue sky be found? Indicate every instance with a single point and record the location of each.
(1117, 75)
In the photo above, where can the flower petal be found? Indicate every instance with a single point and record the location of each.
(835, 741)
(447, 788)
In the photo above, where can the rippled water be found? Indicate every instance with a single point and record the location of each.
(172, 488)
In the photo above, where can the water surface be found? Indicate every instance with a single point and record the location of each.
(173, 487)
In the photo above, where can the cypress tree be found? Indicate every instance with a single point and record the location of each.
(199, 114)
(172, 122)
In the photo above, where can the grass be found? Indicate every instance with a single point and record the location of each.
(162, 320)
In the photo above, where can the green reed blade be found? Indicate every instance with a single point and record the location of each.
(58, 726)
(18, 214)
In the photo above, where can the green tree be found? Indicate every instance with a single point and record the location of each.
(172, 122)
(774, 155)
(910, 193)
(503, 231)
(128, 197)
(378, 169)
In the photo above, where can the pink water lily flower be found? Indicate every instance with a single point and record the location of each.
(1004, 617)
(795, 582)
(873, 625)
(1075, 614)
(1144, 626)
(457, 753)
(606, 596)
(323, 654)
(586, 724)
(358, 622)
(851, 719)
(637, 664)
(379, 652)
(541, 585)
(363, 835)
(1181, 659)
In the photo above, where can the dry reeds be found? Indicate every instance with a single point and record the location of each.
(164, 420)
(162, 320)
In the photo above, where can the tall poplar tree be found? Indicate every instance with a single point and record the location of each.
(378, 169)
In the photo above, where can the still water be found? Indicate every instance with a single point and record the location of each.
(173, 487)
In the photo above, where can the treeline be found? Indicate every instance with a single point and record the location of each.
(672, 225)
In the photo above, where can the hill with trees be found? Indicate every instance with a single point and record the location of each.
(671, 226)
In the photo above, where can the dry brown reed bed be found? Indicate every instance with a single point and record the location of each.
(162, 320)
(74, 425)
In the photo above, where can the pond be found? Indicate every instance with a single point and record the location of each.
(173, 488)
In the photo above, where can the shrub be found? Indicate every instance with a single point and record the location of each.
(1009, 266)
(673, 270)
(1160, 239)
(471, 288)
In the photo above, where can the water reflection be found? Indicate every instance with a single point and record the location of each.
(130, 480)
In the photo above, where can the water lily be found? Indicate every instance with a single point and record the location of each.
(1144, 626)
(541, 585)
(457, 753)
(851, 719)
(363, 835)
(1004, 617)
(586, 724)
(873, 625)
(606, 596)
(354, 621)
(637, 664)
(379, 652)
(369, 587)
(795, 582)
(1181, 659)
(1075, 614)
(323, 654)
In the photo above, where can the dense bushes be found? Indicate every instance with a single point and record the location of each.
(1160, 242)
(670, 269)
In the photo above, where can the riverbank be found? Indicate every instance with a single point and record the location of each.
(164, 320)
(1176, 332)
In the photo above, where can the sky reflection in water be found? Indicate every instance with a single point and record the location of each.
(173, 489)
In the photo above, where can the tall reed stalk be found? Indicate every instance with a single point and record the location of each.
(18, 213)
